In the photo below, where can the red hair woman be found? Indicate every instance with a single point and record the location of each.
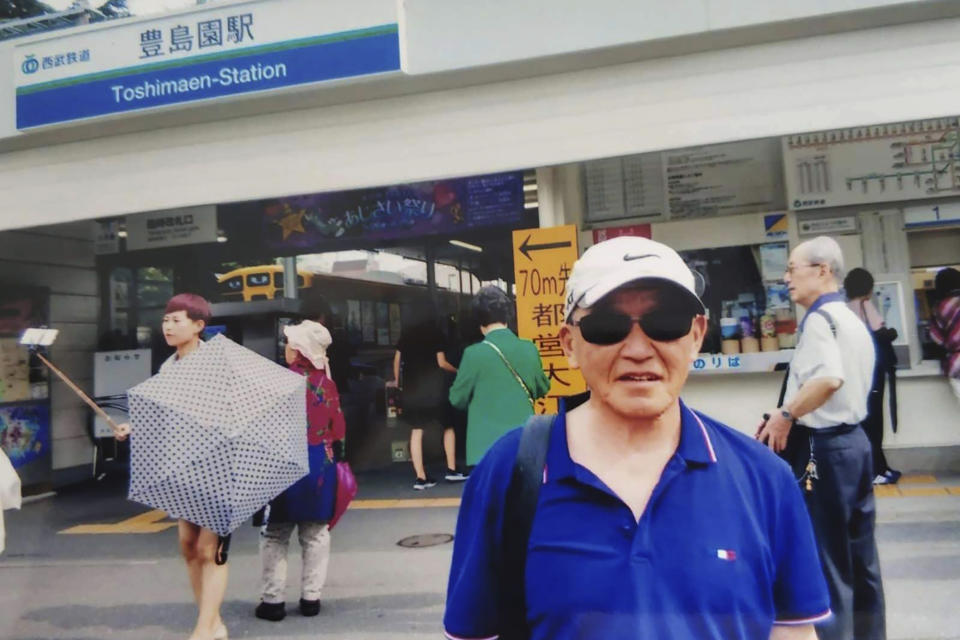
(205, 553)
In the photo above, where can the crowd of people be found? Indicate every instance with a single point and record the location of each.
(658, 520)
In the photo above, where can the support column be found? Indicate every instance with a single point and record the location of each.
(290, 278)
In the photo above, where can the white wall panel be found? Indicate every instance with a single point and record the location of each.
(888, 74)
(31, 247)
(72, 452)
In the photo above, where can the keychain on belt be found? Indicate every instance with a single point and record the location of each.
(810, 471)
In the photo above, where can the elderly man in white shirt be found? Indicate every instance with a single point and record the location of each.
(817, 429)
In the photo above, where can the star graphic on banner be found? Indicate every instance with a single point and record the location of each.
(290, 223)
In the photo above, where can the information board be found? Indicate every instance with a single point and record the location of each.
(723, 179)
(542, 261)
(880, 163)
(624, 187)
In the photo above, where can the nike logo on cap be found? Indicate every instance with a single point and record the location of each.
(628, 257)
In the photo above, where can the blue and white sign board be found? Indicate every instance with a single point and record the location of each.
(212, 53)
(932, 215)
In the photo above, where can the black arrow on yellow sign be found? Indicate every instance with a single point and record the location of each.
(526, 247)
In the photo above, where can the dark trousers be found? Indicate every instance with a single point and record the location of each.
(841, 507)
(873, 425)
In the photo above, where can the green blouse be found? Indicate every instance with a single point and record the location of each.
(493, 398)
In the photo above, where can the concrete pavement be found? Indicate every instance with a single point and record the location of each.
(86, 586)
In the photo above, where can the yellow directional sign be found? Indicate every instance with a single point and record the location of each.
(542, 260)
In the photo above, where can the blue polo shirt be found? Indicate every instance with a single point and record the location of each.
(723, 550)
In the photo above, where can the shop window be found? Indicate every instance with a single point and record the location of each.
(154, 286)
(748, 304)
(121, 284)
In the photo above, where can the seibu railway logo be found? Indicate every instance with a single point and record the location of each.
(30, 65)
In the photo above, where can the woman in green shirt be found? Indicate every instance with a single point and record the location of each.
(499, 378)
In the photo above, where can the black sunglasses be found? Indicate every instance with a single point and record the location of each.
(611, 327)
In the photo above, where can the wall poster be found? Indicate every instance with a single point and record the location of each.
(316, 221)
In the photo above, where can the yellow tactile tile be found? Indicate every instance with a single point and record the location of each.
(886, 491)
(918, 479)
(923, 491)
(405, 504)
(147, 522)
(954, 491)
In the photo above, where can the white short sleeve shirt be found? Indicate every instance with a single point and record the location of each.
(849, 356)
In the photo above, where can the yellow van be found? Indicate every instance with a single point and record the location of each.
(263, 282)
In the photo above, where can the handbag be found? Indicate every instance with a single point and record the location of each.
(346, 491)
(516, 375)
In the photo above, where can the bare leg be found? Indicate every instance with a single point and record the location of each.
(188, 533)
(416, 452)
(213, 585)
(450, 447)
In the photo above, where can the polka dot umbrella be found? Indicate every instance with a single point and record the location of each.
(217, 435)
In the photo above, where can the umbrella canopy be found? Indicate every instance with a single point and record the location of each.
(217, 435)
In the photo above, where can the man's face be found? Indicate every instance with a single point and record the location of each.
(805, 280)
(178, 329)
(638, 378)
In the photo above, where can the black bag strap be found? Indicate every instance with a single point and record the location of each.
(521, 505)
(513, 370)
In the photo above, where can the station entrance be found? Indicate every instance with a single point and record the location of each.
(371, 264)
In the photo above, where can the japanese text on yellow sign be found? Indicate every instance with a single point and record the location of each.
(542, 261)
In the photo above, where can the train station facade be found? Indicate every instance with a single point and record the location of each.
(242, 151)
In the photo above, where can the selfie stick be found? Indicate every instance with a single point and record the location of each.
(35, 342)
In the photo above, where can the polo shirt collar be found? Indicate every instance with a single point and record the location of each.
(696, 445)
(826, 298)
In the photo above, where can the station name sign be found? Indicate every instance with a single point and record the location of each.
(213, 53)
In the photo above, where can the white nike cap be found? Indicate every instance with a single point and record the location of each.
(609, 265)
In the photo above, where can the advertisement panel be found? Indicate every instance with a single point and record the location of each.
(317, 221)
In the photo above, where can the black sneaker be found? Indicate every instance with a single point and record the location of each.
(272, 611)
(455, 476)
(309, 608)
(424, 483)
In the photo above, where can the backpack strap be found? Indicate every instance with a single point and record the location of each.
(521, 505)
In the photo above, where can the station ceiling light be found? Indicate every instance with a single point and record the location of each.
(466, 245)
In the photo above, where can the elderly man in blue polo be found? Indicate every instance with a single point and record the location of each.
(647, 519)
